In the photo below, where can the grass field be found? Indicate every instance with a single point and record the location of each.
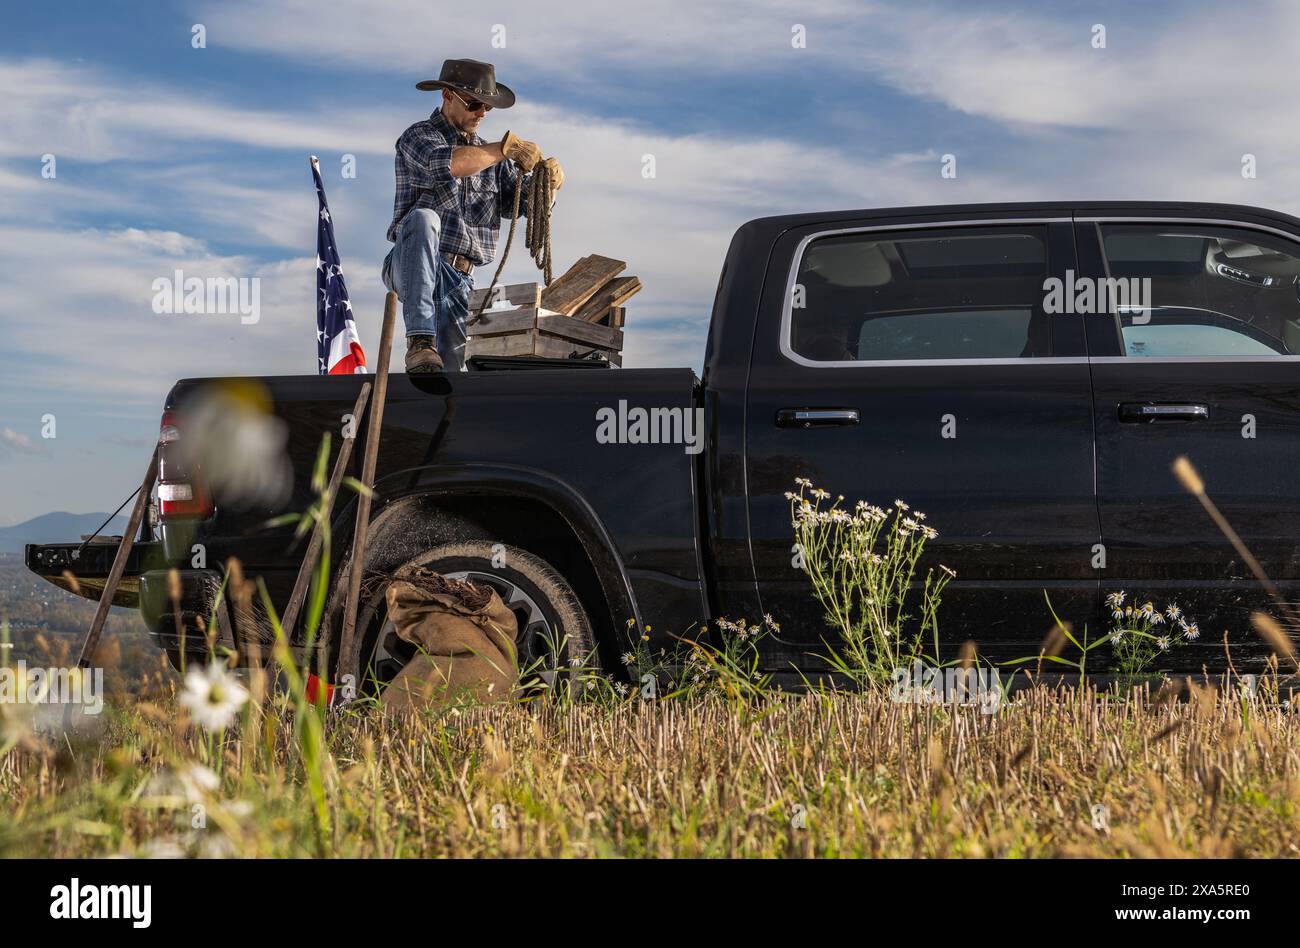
(812, 775)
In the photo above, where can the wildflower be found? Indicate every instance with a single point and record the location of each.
(1173, 612)
(771, 623)
(1163, 643)
(950, 572)
(930, 533)
(1116, 637)
(820, 494)
(213, 695)
(197, 782)
(575, 662)
(1157, 619)
(789, 495)
(901, 506)
(621, 688)
(1117, 614)
(1116, 599)
(1191, 631)
(803, 482)
(628, 658)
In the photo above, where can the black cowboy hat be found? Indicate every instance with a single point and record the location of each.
(473, 78)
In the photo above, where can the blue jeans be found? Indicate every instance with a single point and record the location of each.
(434, 294)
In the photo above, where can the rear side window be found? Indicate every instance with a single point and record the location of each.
(1204, 291)
(951, 293)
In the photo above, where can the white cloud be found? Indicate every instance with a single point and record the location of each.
(16, 441)
(563, 40)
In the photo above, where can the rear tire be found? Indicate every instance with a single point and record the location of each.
(554, 628)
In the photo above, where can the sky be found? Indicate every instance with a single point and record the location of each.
(172, 155)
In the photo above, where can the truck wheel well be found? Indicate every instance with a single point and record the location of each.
(410, 526)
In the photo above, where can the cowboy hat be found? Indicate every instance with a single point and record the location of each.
(473, 78)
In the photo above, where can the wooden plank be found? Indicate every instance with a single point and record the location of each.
(91, 641)
(614, 293)
(518, 295)
(555, 348)
(567, 276)
(503, 321)
(617, 317)
(349, 661)
(568, 327)
(580, 283)
(535, 344)
(514, 344)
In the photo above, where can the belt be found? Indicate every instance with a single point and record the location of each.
(461, 263)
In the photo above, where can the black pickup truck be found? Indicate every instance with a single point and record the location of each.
(965, 359)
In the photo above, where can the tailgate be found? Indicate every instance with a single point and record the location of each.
(89, 563)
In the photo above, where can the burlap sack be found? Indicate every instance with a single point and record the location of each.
(465, 635)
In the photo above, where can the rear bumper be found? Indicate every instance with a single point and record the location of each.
(83, 568)
(180, 626)
(183, 625)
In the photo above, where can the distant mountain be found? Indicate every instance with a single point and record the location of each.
(56, 527)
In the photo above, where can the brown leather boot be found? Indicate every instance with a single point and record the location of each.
(422, 355)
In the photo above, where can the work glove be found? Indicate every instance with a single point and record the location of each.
(557, 173)
(523, 153)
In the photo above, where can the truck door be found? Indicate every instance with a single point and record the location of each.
(1208, 367)
(916, 360)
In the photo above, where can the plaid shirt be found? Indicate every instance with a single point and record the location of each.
(471, 207)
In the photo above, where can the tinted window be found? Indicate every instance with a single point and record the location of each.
(956, 293)
(1205, 291)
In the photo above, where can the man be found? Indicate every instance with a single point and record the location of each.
(453, 188)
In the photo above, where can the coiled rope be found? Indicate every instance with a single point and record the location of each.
(537, 232)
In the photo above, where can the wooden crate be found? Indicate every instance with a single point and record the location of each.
(535, 331)
(516, 295)
(537, 344)
(579, 313)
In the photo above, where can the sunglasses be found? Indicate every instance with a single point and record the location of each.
(473, 105)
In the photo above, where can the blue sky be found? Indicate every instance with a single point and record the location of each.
(173, 157)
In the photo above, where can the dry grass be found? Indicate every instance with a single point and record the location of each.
(700, 776)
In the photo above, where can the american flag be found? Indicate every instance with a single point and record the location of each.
(338, 347)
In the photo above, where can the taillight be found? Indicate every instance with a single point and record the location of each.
(180, 490)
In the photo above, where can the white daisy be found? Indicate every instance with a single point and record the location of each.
(213, 695)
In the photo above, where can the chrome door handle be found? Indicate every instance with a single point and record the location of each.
(816, 417)
(1145, 412)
